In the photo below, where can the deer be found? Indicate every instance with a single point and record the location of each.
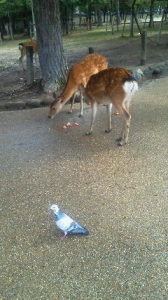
(113, 86)
(77, 79)
(22, 48)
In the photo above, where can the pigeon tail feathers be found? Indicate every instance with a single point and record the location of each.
(75, 228)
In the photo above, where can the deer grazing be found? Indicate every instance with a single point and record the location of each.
(22, 48)
(113, 86)
(77, 79)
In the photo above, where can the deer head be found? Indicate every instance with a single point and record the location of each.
(55, 106)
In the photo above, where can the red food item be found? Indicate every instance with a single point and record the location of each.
(76, 124)
(64, 127)
(117, 113)
(69, 125)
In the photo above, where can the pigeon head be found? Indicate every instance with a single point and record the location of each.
(55, 208)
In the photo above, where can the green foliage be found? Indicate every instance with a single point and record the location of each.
(17, 9)
(141, 4)
(14, 8)
(83, 5)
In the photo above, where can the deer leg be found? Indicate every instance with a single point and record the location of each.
(22, 52)
(127, 104)
(109, 112)
(72, 103)
(123, 139)
(81, 104)
(21, 62)
(94, 112)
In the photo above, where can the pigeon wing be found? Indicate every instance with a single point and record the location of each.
(75, 228)
(64, 223)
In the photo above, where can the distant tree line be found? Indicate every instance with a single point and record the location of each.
(88, 11)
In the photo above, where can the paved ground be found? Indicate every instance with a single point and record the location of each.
(117, 193)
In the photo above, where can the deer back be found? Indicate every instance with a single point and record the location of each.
(22, 47)
(108, 85)
(89, 65)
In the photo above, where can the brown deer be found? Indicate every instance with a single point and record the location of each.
(22, 48)
(113, 86)
(77, 79)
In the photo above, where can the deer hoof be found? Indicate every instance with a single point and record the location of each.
(121, 143)
(80, 116)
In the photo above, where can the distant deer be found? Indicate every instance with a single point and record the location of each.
(22, 48)
(113, 86)
(78, 77)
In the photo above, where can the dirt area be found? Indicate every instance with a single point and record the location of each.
(123, 52)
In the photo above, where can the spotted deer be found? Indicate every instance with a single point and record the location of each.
(113, 86)
(22, 48)
(77, 79)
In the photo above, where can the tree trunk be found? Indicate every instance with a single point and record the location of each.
(132, 18)
(151, 23)
(89, 15)
(136, 20)
(2, 29)
(33, 26)
(26, 13)
(131, 25)
(118, 12)
(50, 48)
(99, 19)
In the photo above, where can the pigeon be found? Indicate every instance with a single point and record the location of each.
(66, 224)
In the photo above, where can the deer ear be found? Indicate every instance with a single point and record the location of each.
(54, 95)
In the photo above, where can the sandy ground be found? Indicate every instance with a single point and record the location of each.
(118, 193)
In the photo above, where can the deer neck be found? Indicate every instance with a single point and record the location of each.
(68, 92)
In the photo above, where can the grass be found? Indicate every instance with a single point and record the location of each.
(79, 38)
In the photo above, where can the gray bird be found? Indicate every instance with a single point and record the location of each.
(66, 224)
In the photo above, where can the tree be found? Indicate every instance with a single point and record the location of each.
(118, 12)
(98, 12)
(50, 47)
(12, 11)
(151, 24)
(131, 4)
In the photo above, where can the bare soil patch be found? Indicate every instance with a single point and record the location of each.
(124, 52)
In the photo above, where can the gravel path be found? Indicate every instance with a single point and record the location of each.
(117, 193)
